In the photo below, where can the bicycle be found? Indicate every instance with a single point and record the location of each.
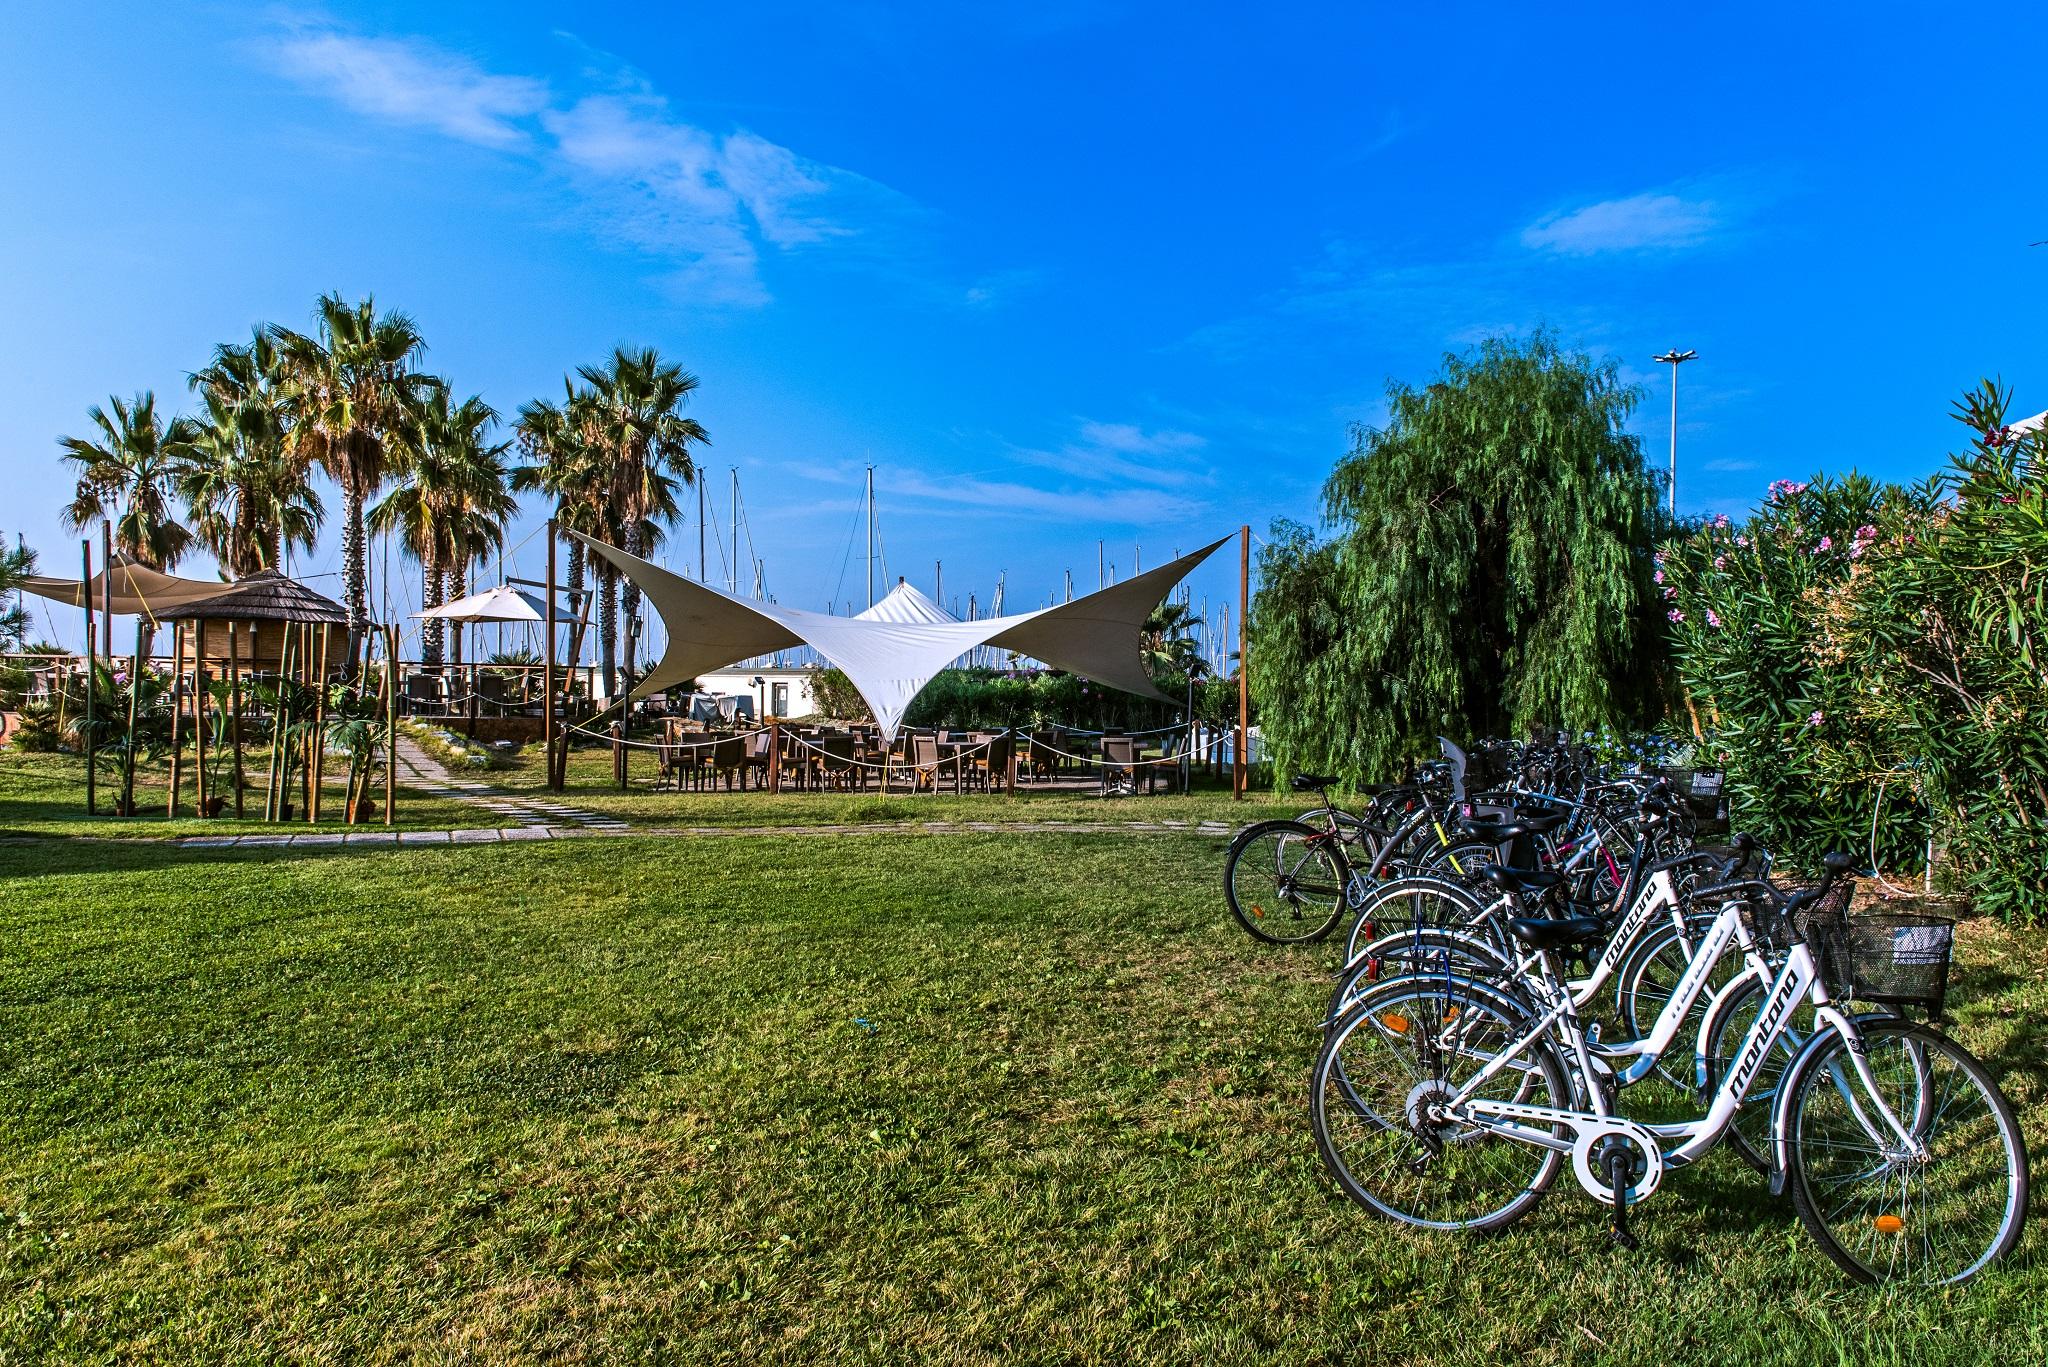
(1464, 1106)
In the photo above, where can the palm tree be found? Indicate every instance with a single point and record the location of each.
(633, 415)
(125, 479)
(248, 497)
(452, 503)
(352, 385)
(566, 469)
(1167, 639)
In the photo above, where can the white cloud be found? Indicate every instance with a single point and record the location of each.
(1124, 453)
(704, 202)
(406, 81)
(1654, 220)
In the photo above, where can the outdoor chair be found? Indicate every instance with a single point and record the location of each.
(1119, 767)
(992, 765)
(757, 759)
(426, 696)
(494, 691)
(926, 764)
(726, 759)
(837, 765)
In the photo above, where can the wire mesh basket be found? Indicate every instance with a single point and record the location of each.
(1886, 958)
(1891, 958)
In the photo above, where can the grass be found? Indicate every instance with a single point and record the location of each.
(44, 795)
(889, 1098)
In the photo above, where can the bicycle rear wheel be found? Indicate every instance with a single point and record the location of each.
(1285, 882)
(1881, 1211)
(1375, 1103)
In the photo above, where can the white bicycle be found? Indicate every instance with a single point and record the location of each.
(1441, 1101)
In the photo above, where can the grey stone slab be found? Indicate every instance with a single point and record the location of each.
(323, 838)
(528, 833)
(373, 837)
(206, 841)
(478, 837)
(423, 837)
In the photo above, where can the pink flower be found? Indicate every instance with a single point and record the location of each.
(1826, 543)
(1816, 718)
(1675, 615)
(1712, 619)
(1670, 591)
(1866, 533)
(1657, 578)
(1741, 541)
(1720, 562)
(1721, 520)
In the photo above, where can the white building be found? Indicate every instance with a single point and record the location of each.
(784, 692)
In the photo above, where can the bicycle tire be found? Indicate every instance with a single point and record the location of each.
(1281, 906)
(1893, 1238)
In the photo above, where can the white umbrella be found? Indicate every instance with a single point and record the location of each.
(501, 604)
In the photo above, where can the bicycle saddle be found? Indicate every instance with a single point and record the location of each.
(1539, 932)
(1305, 783)
(1520, 880)
(1500, 832)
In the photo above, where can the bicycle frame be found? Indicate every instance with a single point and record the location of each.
(1797, 979)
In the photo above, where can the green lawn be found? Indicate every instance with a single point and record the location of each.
(881, 1098)
(45, 795)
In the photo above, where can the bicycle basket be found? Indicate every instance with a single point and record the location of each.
(1891, 958)
(1816, 923)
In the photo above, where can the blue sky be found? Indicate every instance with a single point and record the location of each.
(1063, 273)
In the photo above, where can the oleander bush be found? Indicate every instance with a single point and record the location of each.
(1868, 662)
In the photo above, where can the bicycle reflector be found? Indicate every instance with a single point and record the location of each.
(1395, 1022)
(1888, 1224)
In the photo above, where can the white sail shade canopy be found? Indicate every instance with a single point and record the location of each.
(895, 648)
(501, 604)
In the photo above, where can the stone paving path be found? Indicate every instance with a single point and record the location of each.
(420, 770)
(489, 835)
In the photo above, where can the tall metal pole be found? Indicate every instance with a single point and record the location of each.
(1242, 771)
(91, 667)
(107, 591)
(871, 536)
(703, 575)
(547, 669)
(1674, 358)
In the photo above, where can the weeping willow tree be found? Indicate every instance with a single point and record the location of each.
(1488, 571)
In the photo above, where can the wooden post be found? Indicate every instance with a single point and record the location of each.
(177, 717)
(1241, 771)
(316, 766)
(390, 721)
(273, 796)
(200, 698)
(91, 670)
(106, 592)
(235, 708)
(472, 700)
(1010, 768)
(619, 754)
(774, 756)
(547, 675)
(134, 694)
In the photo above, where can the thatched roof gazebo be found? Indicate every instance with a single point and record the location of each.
(263, 606)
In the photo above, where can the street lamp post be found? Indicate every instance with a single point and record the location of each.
(1674, 358)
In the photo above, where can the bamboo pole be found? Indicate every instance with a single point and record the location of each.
(1241, 771)
(390, 721)
(273, 798)
(91, 672)
(177, 718)
(318, 767)
(774, 756)
(134, 693)
(235, 708)
(200, 698)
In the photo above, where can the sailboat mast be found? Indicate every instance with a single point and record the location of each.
(871, 536)
(703, 574)
(732, 569)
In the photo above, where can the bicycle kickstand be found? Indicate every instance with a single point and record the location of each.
(1618, 1166)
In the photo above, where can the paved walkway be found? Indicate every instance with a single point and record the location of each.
(420, 770)
(487, 835)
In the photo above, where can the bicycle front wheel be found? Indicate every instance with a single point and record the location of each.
(1935, 1210)
(1285, 882)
